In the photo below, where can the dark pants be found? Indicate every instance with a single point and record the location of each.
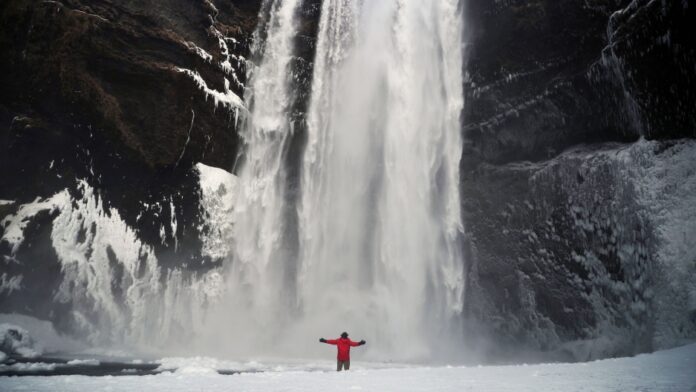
(342, 364)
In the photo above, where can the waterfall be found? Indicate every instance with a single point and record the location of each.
(379, 216)
(378, 225)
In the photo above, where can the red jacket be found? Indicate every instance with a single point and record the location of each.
(344, 345)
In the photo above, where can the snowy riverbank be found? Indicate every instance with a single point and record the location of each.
(670, 370)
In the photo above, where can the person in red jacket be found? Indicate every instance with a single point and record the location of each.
(343, 344)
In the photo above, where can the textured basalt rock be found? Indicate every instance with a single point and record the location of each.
(528, 94)
(93, 91)
(653, 41)
(546, 77)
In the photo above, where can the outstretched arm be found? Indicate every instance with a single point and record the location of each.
(360, 343)
(331, 341)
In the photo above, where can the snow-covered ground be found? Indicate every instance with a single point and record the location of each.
(672, 370)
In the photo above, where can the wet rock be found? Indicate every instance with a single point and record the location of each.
(95, 91)
(546, 77)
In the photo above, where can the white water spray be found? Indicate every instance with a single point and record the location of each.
(379, 222)
(380, 218)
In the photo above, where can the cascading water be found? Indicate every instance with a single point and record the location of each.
(256, 274)
(379, 222)
(380, 217)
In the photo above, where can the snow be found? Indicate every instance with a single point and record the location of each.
(14, 225)
(227, 55)
(664, 371)
(212, 178)
(218, 190)
(227, 98)
(108, 255)
(16, 340)
(175, 364)
(111, 277)
(98, 252)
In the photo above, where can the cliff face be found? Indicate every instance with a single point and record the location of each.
(126, 97)
(546, 75)
(573, 229)
(114, 67)
(564, 243)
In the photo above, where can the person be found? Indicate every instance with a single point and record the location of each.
(343, 344)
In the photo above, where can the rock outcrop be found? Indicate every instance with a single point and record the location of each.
(125, 97)
(564, 246)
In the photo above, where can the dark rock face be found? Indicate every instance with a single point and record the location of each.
(529, 96)
(546, 75)
(112, 66)
(94, 88)
(653, 42)
(94, 91)
(554, 244)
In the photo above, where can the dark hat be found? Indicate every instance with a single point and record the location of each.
(344, 334)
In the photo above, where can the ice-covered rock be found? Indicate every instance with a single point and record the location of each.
(601, 264)
(15, 340)
(218, 189)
